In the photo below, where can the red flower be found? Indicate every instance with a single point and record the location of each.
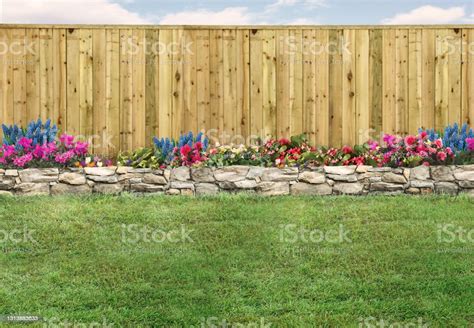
(410, 140)
(284, 141)
(346, 150)
(185, 150)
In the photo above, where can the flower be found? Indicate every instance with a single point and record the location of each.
(67, 140)
(410, 140)
(441, 156)
(23, 160)
(470, 144)
(25, 143)
(346, 150)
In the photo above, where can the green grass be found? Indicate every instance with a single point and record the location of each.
(239, 267)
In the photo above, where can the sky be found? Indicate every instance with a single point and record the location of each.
(232, 12)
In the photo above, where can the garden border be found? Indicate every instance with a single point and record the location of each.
(327, 180)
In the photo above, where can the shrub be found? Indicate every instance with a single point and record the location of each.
(140, 158)
(39, 133)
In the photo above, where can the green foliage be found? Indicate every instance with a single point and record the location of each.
(140, 158)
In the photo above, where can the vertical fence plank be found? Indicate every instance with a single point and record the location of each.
(467, 93)
(73, 81)
(165, 92)
(335, 87)
(99, 95)
(389, 82)
(295, 67)
(138, 86)
(33, 82)
(189, 82)
(454, 75)
(202, 80)
(111, 139)
(441, 79)
(19, 76)
(256, 82)
(309, 84)
(126, 92)
(322, 87)
(362, 112)
(59, 82)
(414, 80)
(269, 84)
(86, 85)
(375, 83)
(348, 87)
(243, 84)
(177, 114)
(229, 82)
(428, 79)
(151, 84)
(401, 95)
(283, 83)
(216, 79)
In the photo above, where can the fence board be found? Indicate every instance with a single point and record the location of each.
(121, 86)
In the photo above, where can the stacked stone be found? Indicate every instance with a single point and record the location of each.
(328, 180)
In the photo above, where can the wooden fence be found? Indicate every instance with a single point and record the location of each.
(124, 84)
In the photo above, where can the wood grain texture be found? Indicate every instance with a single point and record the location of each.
(120, 86)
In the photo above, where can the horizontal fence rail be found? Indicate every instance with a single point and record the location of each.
(119, 86)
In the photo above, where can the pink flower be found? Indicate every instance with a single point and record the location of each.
(64, 157)
(8, 150)
(426, 163)
(25, 143)
(470, 144)
(284, 141)
(67, 140)
(185, 150)
(423, 134)
(410, 140)
(438, 143)
(23, 160)
(346, 150)
(449, 151)
(81, 148)
(423, 153)
(441, 156)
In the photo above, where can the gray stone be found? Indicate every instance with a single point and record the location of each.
(406, 173)
(466, 184)
(154, 179)
(11, 173)
(167, 174)
(135, 180)
(231, 173)
(340, 170)
(182, 185)
(384, 186)
(393, 178)
(202, 174)
(269, 188)
(446, 188)
(302, 188)
(173, 192)
(464, 175)
(206, 189)
(140, 170)
(344, 178)
(363, 168)
(32, 188)
(312, 177)
(187, 192)
(39, 175)
(421, 184)
(103, 178)
(276, 174)
(421, 172)
(130, 176)
(245, 184)
(442, 173)
(6, 184)
(110, 189)
(123, 169)
(348, 188)
(181, 173)
(72, 178)
(255, 172)
(100, 171)
(379, 169)
(413, 191)
(64, 188)
(146, 187)
(5, 193)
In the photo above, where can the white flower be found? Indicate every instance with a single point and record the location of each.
(99, 164)
(88, 160)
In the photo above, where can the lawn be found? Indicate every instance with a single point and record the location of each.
(281, 261)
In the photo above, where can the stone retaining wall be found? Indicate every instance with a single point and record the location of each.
(329, 180)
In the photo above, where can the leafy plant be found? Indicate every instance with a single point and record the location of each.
(39, 133)
(140, 158)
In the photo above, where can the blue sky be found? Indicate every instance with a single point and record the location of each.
(238, 12)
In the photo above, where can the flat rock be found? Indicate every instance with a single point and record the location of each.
(276, 174)
(393, 178)
(100, 171)
(182, 185)
(123, 169)
(187, 192)
(420, 173)
(146, 187)
(72, 178)
(202, 174)
(7, 184)
(385, 186)
(269, 188)
(181, 173)
(68, 189)
(39, 175)
(11, 173)
(5, 193)
(245, 184)
(206, 189)
(446, 188)
(312, 177)
(302, 188)
(140, 170)
(379, 169)
(464, 175)
(151, 178)
(231, 173)
(344, 178)
(173, 192)
(255, 172)
(340, 170)
(363, 168)
(103, 178)
(466, 184)
(32, 189)
(421, 184)
(442, 173)
(111, 189)
(348, 188)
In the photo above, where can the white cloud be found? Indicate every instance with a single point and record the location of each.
(303, 21)
(68, 12)
(227, 16)
(428, 15)
(280, 4)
